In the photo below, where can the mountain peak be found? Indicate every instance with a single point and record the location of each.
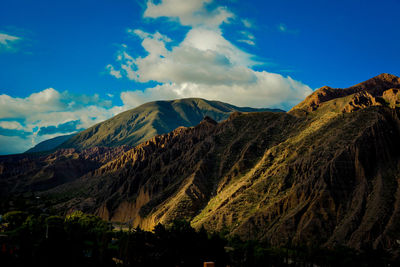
(140, 124)
(387, 77)
(376, 87)
(378, 84)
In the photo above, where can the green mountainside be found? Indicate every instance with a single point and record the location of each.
(138, 125)
(327, 173)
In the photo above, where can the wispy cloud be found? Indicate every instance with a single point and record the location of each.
(249, 42)
(247, 23)
(8, 42)
(248, 38)
(248, 35)
(283, 28)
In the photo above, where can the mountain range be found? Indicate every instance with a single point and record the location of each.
(324, 173)
(138, 125)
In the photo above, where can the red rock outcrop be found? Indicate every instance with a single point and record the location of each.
(374, 87)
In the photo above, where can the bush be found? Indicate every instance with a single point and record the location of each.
(15, 219)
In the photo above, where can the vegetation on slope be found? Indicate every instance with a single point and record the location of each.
(323, 174)
(140, 124)
(34, 239)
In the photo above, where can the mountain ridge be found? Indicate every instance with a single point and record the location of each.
(322, 174)
(137, 125)
(374, 89)
(257, 188)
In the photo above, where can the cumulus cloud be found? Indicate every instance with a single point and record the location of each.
(49, 113)
(7, 42)
(205, 64)
(47, 103)
(269, 90)
(189, 12)
(204, 57)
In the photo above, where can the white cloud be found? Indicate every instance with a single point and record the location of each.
(7, 41)
(113, 72)
(269, 90)
(249, 42)
(144, 35)
(247, 23)
(43, 101)
(50, 108)
(205, 64)
(249, 38)
(11, 125)
(248, 35)
(189, 12)
(204, 57)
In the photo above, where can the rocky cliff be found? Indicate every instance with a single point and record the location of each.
(380, 90)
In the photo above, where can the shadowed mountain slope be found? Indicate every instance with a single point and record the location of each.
(138, 125)
(49, 144)
(23, 173)
(330, 180)
(322, 174)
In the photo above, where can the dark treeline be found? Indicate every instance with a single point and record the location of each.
(85, 240)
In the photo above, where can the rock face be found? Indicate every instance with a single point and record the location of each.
(325, 173)
(30, 173)
(378, 90)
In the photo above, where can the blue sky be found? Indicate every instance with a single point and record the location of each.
(65, 65)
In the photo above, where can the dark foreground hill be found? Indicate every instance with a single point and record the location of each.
(325, 173)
